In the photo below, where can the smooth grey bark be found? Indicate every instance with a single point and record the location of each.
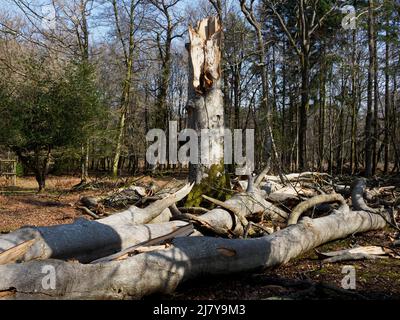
(313, 202)
(87, 240)
(245, 203)
(163, 270)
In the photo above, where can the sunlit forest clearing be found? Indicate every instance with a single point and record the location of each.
(217, 149)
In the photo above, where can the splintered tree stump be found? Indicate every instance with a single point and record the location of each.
(205, 98)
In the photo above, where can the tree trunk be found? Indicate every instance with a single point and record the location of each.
(41, 167)
(375, 154)
(85, 161)
(322, 103)
(305, 100)
(353, 106)
(205, 102)
(371, 77)
(126, 86)
(386, 141)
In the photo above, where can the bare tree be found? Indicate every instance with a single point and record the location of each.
(308, 24)
(128, 47)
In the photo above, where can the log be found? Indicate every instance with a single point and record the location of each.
(180, 232)
(306, 205)
(162, 270)
(239, 214)
(358, 202)
(290, 193)
(84, 240)
(88, 240)
(353, 257)
(357, 195)
(304, 176)
(358, 253)
(224, 221)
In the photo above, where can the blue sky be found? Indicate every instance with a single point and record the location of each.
(98, 33)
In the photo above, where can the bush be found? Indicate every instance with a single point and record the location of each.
(20, 170)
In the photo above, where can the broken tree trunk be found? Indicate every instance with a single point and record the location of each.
(205, 99)
(163, 270)
(224, 221)
(88, 240)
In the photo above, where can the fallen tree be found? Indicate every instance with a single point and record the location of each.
(88, 240)
(161, 269)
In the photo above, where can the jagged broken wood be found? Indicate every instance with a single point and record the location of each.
(205, 105)
(15, 253)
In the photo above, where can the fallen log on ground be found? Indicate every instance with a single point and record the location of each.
(223, 221)
(357, 253)
(306, 205)
(155, 269)
(304, 176)
(87, 240)
(162, 270)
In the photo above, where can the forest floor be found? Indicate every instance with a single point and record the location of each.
(302, 278)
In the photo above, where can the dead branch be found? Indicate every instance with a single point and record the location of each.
(180, 232)
(225, 205)
(262, 175)
(306, 205)
(89, 212)
(193, 210)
